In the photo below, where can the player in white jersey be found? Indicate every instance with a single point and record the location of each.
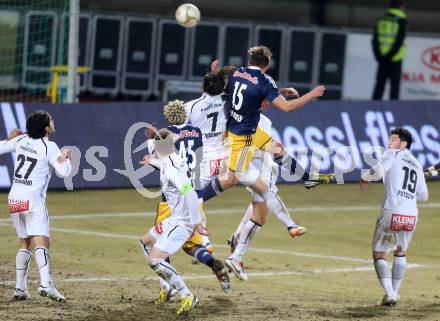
(256, 213)
(208, 114)
(36, 157)
(404, 185)
(187, 143)
(175, 230)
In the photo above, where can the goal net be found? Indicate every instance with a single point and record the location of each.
(34, 37)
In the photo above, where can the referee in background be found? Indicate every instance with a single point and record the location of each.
(389, 49)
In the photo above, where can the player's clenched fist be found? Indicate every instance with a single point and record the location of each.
(318, 91)
(66, 153)
(14, 133)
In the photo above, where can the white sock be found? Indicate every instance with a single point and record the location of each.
(164, 285)
(384, 276)
(246, 217)
(43, 262)
(170, 275)
(205, 240)
(284, 217)
(21, 268)
(275, 204)
(399, 268)
(247, 234)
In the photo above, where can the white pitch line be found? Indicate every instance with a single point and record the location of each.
(253, 249)
(210, 276)
(224, 211)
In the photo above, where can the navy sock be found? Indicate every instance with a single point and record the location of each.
(203, 256)
(290, 163)
(211, 190)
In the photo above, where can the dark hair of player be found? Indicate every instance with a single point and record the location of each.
(259, 56)
(164, 142)
(404, 135)
(213, 83)
(396, 3)
(36, 124)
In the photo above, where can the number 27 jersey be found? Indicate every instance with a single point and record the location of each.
(35, 160)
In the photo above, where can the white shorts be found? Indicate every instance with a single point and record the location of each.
(32, 223)
(212, 163)
(170, 235)
(392, 231)
(269, 176)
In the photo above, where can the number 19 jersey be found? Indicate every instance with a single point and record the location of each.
(404, 183)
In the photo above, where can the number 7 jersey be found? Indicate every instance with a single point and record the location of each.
(404, 183)
(208, 114)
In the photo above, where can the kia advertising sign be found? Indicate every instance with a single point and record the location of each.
(328, 136)
(420, 72)
(421, 69)
(431, 58)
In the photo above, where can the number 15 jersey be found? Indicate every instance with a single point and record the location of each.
(404, 182)
(247, 88)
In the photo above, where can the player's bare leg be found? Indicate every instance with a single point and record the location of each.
(47, 288)
(22, 260)
(165, 270)
(385, 278)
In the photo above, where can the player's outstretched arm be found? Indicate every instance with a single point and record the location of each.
(8, 145)
(151, 160)
(432, 171)
(292, 105)
(289, 92)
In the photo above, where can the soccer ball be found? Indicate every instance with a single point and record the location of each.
(187, 15)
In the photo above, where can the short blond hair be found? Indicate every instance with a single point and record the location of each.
(175, 112)
(259, 56)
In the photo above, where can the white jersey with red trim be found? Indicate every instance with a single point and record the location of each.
(35, 160)
(208, 114)
(404, 182)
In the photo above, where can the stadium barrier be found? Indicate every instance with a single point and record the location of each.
(104, 137)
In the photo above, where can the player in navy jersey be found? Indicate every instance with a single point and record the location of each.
(189, 146)
(248, 89)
